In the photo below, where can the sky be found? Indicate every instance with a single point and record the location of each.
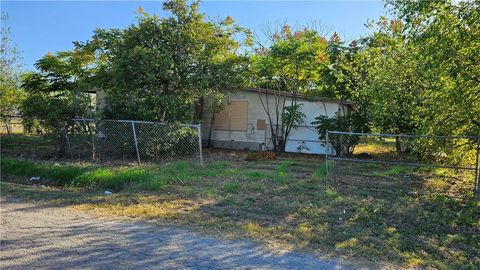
(39, 27)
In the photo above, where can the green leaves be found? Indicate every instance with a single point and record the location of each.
(10, 92)
(164, 68)
(292, 115)
(57, 92)
(293, 62)
(350, 122)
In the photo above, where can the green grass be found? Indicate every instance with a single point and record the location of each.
(255, 175)
(330, 193)
(58, 173)
(282, 175)
(321, 171)
(279, 204)
(395, 170)
(231, 187)
(117, 179)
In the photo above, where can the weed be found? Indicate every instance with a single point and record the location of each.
(330, 193)
(56, 173)
(342, 219)
(255, 175)
(282, 172)
(228, 201)
(321, 171)
(395, 170)
(231, 187)
(209, 193)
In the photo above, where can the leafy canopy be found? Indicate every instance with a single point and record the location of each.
(11, 94)
(57, 91)
(292, 62)
(163, 69)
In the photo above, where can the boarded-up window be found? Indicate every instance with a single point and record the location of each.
(260, 124)
(222, 120)
(233, 117)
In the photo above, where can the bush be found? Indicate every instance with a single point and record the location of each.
(350, 122)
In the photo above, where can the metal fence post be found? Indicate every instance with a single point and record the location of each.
(200, 156)
(326, 154)
(477, 176)
(68, 143)
(94, 134)
(136, 143)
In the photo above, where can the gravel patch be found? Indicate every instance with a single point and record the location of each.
(36, 236)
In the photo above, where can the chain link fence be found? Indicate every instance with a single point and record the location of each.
(412, 164)
(109, 140)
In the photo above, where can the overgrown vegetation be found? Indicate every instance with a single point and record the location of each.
(348, 122)
(11, 94)
(417, 72)
(371, 217)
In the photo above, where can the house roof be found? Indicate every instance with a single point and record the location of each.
(301, 96)
(283, 93)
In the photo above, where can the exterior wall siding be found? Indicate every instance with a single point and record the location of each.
(304, 138)
(254, 139)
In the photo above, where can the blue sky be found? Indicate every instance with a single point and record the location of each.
(39, 27)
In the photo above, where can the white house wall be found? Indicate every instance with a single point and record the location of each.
(253, 138)
(305, 139)
(255, 111)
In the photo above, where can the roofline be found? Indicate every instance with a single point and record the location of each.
(302, 96)
(283, 93)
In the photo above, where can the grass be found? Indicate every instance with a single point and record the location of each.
(281, 177)
(58, 173)
(279, 203)
(112, 178)
(395, 170)
(321, 171)
(231, 187)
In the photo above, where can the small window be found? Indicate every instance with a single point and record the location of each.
(261, 124)
(233, 117)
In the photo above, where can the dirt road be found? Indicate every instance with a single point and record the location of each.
(51, 237)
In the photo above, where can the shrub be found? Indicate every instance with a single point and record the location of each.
(350, 122)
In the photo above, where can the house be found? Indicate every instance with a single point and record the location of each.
(244, 122)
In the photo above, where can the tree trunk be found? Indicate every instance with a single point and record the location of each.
(281, 145)
(8, 129)
(199, 109)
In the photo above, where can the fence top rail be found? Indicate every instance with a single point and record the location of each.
(297, 126)
(133, 121)
(403, 135)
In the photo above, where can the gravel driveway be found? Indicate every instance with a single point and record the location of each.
(49, 237)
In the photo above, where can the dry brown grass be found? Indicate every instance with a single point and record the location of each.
(367, 215)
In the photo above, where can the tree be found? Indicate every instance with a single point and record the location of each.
(11, 94)
(393, 85)
(56, 93)
(168, 69)
(291, 64)
(349, 122)
(446, 35)
(337, 77)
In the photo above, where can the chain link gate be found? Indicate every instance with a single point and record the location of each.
(405, 163)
